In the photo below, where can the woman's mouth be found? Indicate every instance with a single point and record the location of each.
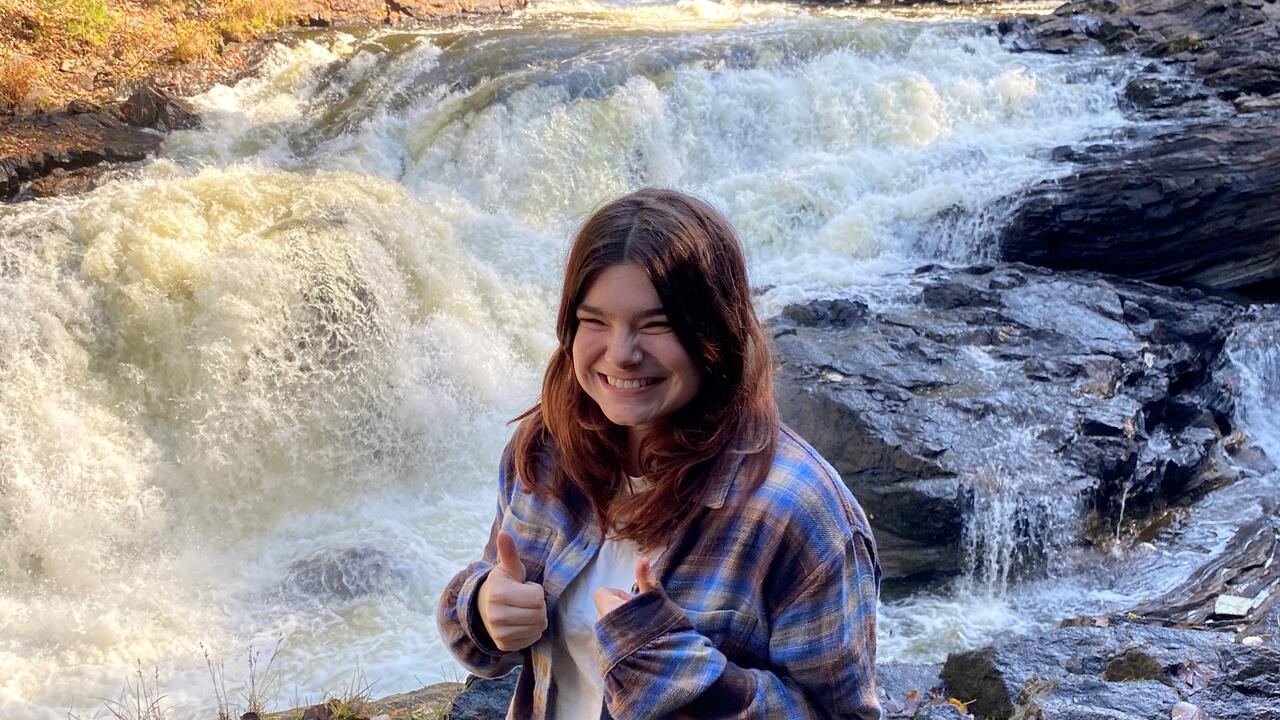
(628, 383)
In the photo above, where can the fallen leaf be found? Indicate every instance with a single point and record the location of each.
(1195, 675)
(912, 702)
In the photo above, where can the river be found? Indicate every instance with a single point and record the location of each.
(253, 392)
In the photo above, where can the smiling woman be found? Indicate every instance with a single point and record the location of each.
(656, 454)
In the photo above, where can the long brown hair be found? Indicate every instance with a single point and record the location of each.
(692, 256)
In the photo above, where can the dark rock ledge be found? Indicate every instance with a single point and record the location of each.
(43, 147)
(1189, 203)
(1010, 379)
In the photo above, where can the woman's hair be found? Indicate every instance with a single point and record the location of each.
(691, 255)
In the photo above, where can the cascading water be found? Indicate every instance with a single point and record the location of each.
(1255, 354)
(255, 391)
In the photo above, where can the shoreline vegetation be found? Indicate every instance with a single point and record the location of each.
(57, 53)
(85, 82)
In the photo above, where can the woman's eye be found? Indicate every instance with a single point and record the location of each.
(590, 321)
(661, 326)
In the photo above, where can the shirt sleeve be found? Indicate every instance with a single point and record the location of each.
(458, 616)
(822, 648)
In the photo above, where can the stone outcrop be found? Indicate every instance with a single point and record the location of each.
(1187, 205)
(1190, 206)
(1008, 381)
(484, 699)
(34, 146)
(1122, 672)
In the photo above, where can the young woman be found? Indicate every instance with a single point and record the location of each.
(655, 461)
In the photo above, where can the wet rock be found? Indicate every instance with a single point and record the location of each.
(36, 145)
(65, 182)
(1248, 567)
(1008, 381)
(1191, 206)
(1156, 28)
(1119, 672)
(1186, 206)
(897, 679)
(152, 107)
(911, 690)
(483, 699)
(347, 574)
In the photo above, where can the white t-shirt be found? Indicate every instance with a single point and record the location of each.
(575, 654)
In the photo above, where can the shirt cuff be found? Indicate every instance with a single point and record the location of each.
(469, 614)
(636, 623)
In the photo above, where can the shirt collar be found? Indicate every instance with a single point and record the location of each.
(719, 490)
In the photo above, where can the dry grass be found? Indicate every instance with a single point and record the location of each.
(239, 20)
(261, 684)
(91, 48)
(138, 700)
(195, 40)
(17, 76)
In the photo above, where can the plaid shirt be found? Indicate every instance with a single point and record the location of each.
(767, 604)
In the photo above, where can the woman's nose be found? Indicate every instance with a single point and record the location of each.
(624, 349)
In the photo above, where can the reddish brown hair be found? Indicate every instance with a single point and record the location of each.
(692, 256)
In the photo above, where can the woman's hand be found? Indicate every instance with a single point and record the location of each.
(608, 599)
(513, 611)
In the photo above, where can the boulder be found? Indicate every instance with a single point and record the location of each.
(151, 107)
(344, 575)
(483, 699)
(1190, 206)
(1047, 406)
(1117, 673)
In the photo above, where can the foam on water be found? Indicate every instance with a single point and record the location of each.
(257, 389)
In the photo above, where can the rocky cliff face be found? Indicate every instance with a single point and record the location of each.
(1087, 400)
(1187, 203)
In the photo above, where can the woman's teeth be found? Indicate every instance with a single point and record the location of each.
(630, 384)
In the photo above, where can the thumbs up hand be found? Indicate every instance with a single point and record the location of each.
(513, 611)
(608, 599)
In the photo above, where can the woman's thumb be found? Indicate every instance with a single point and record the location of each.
(509, 556)
(646, 578)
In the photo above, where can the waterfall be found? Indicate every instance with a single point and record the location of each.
(286, 350)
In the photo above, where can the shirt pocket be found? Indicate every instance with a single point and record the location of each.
(728, 630)
(534, 543)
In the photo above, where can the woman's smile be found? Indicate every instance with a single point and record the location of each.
(629, 385)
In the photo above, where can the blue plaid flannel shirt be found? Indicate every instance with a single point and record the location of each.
(767, 604)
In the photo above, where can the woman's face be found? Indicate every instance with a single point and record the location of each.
(625, 354)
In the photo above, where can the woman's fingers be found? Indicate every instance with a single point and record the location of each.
(521, 595)
(514, 612)
(608, 599)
